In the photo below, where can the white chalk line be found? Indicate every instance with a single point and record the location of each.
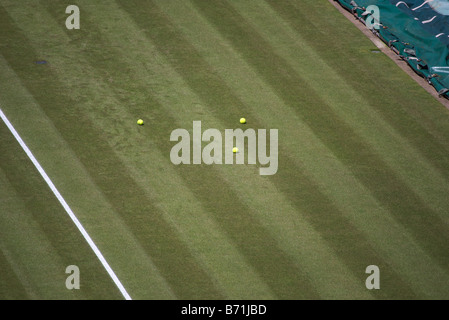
(65, 206)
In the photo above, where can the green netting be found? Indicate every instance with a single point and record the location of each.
(411, 37)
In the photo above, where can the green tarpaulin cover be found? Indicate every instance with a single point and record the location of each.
(417, 30)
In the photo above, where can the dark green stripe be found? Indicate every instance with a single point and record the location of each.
(405, 206)
(248, 234)
(168, 252)
(53, 221)
(225, 105)
(418, 118)
(11, 287)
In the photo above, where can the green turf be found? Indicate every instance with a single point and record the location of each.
(363, 155)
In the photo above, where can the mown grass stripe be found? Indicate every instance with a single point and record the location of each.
(302, 251)
(65, 206)
(139, 76)
(166, 134)
(161, 242)
(140, 173)
(329, 276)
(193, 64)
(58, 228)
(407, 108)
(414, 169)
(42, 137)
(177, 63)
(365, 164)
(12, 287)
(332, 177)
(27, 248)
(188, 63)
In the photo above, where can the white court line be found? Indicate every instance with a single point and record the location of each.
(65, 206)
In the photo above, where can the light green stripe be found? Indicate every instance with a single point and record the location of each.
(396, 150)
(387, 236)
(77, 187)
(184, 117)
(234, 275)
(32, 256)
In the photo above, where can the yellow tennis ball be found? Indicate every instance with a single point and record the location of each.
(242, 120)
(140, 122)
(235, 149)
